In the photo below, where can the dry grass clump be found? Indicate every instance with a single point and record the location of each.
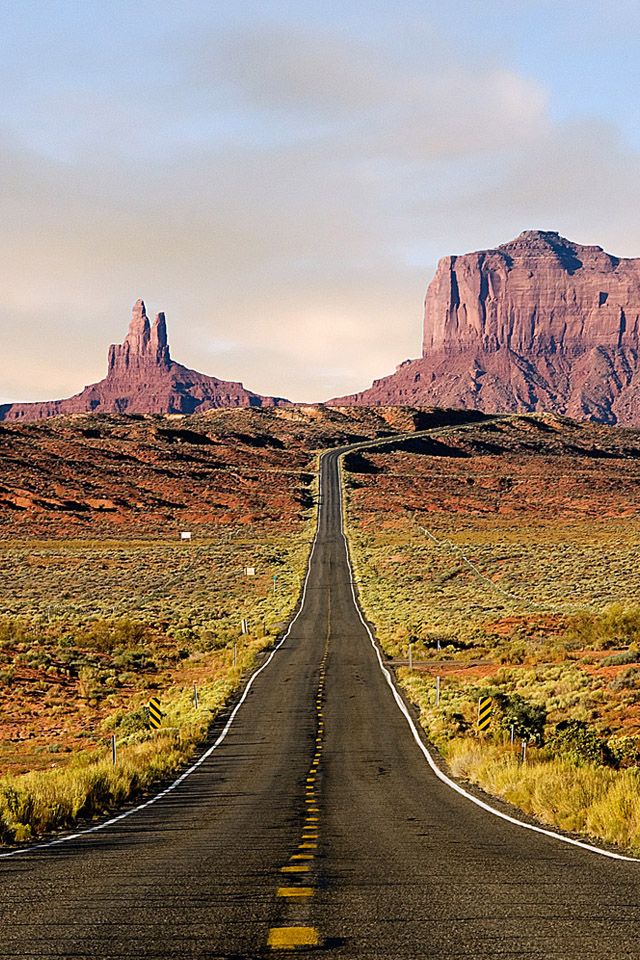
(595, 800)
(43, 801)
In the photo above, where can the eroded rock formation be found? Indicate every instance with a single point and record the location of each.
(142, 378)
(540, 323)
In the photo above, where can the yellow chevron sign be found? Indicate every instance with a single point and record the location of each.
(485, 706)
(155, 713)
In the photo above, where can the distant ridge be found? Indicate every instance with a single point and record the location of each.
(142, 378)
(539, 323)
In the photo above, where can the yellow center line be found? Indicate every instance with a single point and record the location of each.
(288, 938)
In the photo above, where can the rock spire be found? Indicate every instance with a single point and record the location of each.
(144, 346)
(142, 378)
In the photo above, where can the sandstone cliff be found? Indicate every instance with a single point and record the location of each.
(142, 378)
(539, 323)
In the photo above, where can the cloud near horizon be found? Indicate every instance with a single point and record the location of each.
(283, 192)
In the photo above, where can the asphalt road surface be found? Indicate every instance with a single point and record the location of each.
(318, 826)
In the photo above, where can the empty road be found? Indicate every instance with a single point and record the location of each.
(318, 825)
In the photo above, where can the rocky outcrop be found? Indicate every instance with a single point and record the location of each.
(539, 323)
(142, 378)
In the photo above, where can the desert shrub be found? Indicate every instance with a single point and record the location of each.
(134, 722)
(98, 635)
(7, 675)
(134, 660)
(129, 631)
(618, 659)
(212, 640)
(578, 741)
(514, 652)
(458, 723)
(618, 624)
(528, 719)
(629, 680)
(624, 751)
(12, 629)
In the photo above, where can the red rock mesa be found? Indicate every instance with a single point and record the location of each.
(539, 323)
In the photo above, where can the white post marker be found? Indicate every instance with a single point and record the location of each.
(524, 751)
(195, 695)
(113, 749)
(235, 653)
(185, 535)
(410, 656)
(437, 691)
(250, 571)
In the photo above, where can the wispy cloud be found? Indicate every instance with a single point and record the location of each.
(282, 190)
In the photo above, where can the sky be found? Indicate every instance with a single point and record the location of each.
(281, 177)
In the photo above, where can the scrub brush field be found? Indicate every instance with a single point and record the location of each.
(506, 554)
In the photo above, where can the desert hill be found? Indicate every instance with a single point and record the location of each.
(123, 475)
(127, 476)
(142, 378)
(540, 323)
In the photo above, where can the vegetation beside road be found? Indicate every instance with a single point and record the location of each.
(528, 591)
(100, 629)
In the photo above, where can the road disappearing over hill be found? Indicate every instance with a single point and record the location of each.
(318, 826)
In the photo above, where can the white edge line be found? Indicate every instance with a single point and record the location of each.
(214, 746)
(438, 772)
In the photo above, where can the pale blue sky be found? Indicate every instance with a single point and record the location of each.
(282, 177)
